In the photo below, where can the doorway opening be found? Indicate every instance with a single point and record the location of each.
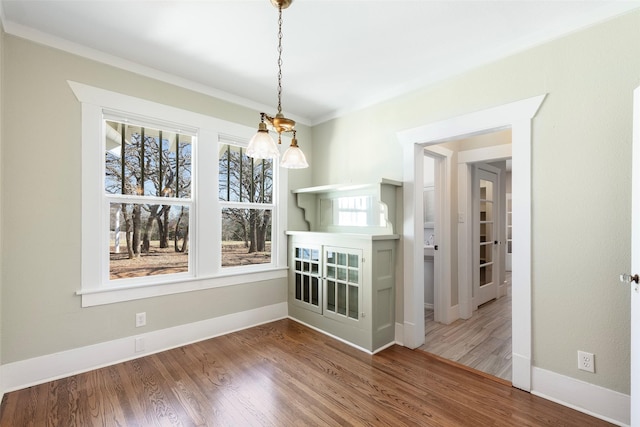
(517, 116)
(482, 341)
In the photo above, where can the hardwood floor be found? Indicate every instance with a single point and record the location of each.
(482, 342)
(282, 374)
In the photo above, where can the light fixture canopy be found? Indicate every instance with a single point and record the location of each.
(262, 145)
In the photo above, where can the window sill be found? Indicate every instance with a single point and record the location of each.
(101, 296)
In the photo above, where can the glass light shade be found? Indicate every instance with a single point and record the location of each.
(262, 146)
(294, 158)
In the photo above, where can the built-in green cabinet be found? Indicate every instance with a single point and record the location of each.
(344, 285)
(342, 269)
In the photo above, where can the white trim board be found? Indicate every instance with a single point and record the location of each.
(594, 400)
(25, 373)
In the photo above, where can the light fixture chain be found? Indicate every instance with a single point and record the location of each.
(280, 58)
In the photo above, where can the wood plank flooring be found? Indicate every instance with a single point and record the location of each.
(482, 342)
(282, 374)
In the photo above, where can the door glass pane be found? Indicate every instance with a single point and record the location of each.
(353, 276)
(298, 286)
(353, 260)
(314, 290)
(353, 302)
(342, 259)
(342, 273)
(486, 274)
(331, 295)
(331, 257)
(342, 299)
(331, 272)
(305, 289)
(486, 253)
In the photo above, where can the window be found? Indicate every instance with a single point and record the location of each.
(245, 187)
(170, 202)
(148, 188)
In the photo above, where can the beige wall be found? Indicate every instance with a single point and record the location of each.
(581, 180)
(581, 192)
(41, 208)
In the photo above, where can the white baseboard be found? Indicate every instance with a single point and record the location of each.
(400, 334)
(25, 373)
(591, 399)
(452, 314)
(428, 306)
(521, 371)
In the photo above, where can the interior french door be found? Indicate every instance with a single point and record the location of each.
(486, 222)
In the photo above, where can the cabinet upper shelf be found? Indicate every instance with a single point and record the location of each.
(350, 208)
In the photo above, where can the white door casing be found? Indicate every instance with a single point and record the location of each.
(635, 264)
(517, 116)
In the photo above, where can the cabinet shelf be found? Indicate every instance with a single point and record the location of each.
(350, 208)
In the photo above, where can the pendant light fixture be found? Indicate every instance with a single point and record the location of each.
(262, 146)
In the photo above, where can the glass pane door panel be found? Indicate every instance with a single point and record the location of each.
(486, 274)
(353, 276)
(331, 272)
(353, 260)
(307, 285)
(305, 289)
(353, 302)
(315, 291)
(486, 253)
(342, 269)
(331, 296)
(342, 259)
(341, 303)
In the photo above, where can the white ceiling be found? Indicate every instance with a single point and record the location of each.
(338, 55)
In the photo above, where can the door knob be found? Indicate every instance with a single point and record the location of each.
(627, 278)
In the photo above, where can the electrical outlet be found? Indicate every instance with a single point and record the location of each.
(586, 361)
(141, 319)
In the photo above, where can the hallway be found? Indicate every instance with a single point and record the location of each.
(482, 342)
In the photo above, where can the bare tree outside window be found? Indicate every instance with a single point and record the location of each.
(148, 181)
(246, 193)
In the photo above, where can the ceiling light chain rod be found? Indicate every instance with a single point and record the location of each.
(262, 146)
(280, 58)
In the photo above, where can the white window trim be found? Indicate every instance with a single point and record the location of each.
(206, 269)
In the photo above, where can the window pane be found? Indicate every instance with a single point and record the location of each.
(148, 240)
(243, 179)
(246, 236)
(151, 162)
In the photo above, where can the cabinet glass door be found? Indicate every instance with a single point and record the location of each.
(342, 282)
(307, 285)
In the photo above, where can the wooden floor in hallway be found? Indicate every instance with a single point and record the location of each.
(482, 342)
